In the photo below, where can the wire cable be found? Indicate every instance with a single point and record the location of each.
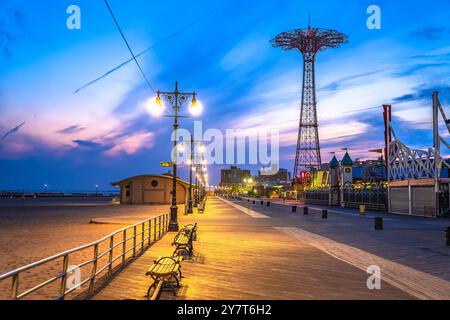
(129, 48)
(156, 44)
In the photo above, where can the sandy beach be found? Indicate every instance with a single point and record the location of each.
(38, 228)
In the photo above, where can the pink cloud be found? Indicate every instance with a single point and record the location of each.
(131, 145)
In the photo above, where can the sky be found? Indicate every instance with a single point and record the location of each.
(221, 49)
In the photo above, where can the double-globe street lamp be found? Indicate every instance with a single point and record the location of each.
(176, 100)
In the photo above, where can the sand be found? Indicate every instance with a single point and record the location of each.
(39, 228)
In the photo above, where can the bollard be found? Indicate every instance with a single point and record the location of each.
(378, 223)
(248, 200)
(262, 202)
(268, 203)
(447, 235)
(324, 214)
(254, 202)
(294, 208)
(305, 211)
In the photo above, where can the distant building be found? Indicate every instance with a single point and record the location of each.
(233, 176)
(151, 189)
(281, 176)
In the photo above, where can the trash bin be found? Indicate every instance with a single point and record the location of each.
(362, 210)
(447, 236)
(378, 223)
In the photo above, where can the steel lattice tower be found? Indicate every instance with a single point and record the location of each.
(309, 42)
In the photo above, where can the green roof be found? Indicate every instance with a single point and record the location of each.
(347, 161)
(334, 163)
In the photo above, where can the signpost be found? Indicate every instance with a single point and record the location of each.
(166, 164)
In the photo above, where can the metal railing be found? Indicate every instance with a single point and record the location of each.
(143, 234)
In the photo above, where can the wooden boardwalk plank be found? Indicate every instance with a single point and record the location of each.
(236, 257)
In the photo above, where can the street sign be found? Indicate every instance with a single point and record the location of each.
(166, 164)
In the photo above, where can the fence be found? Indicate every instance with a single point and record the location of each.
(317, 196)
(373, 197)
(126, 242)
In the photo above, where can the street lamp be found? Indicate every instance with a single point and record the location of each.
(176, 100)
(191, 164)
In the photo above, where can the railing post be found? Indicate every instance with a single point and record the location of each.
(159, 228)
(62, 290)
(164, 223)
(94, 268)
(154, 229)
(142, 236)
(124, 245)
(111, 245)
(134, 241)
(15, 286)
(149, 232)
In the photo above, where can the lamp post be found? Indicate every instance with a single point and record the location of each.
(189, 209)
(176, 100)
(200, 150)
(196, 187)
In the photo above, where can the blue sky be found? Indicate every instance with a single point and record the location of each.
(49, 135)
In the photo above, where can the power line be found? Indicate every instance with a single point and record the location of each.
(128, 45)
(156, 44)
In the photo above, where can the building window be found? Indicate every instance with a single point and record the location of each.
(127, 191)
(154, 183)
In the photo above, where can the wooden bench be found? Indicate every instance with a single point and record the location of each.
(192, 228)
(165, 271)
(183, 240)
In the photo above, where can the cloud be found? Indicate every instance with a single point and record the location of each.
(72, 129)
(424, 92)
(245, 55)
(431, 33)
(131, 145)
(12, 131)
(119, 142)
(10, 24)
(90, 144)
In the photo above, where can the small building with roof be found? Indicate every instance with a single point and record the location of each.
(152, 189)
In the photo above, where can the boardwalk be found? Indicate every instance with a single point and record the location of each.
(240, 256)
